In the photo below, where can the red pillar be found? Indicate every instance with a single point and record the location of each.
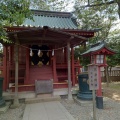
(99, 97)
(99, 91)
(65, 55)
(4, 69)
(27, 66)
(73, 67)
(54, 69)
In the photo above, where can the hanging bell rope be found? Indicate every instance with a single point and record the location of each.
(39, 51)
(53, 52)
(31, 53)
(63, 49)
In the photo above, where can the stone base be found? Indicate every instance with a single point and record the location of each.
(83, 102)
(85, 96)
(99, 102)
(15, 104)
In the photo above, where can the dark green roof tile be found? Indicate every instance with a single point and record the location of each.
(97, 47)
(62, 20)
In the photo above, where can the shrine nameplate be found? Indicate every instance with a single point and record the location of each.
(43, 86)
(93, 74)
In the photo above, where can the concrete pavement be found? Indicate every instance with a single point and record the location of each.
(53, 110)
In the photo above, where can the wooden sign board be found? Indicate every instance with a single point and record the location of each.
(93, 74)
(43, 86)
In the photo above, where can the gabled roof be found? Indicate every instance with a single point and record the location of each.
(49, 28)
(62, 20)
(99, 48)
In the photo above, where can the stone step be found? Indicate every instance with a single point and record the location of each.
(42, 98)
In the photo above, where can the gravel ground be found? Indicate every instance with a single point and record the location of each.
(111, 111)
(13, 114)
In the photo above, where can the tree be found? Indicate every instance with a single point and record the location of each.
(83, 60)
(12, 12)
(55, 5)
(96, 3)
(96, 18)
(114, 43)
(99, 16)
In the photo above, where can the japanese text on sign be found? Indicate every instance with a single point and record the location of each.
(93, 77)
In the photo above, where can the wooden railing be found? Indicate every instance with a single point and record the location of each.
(111, 73)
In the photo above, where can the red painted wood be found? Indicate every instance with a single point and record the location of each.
(57, 86)
(44, 72)
(4, 69)
(77, 32)
(22, 89)
(105, 60)
(27, 66)
(87, 34)
(64, 52)
(40, 73)
(32, 88)
(54, 69)
(99, 91)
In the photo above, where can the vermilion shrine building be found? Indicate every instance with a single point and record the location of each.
(45, 49)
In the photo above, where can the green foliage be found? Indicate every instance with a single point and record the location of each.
(96, 17)
(99, 3)
(101, 17)
(12, 12)
(83, 60)
(115, 59)
(55, 5)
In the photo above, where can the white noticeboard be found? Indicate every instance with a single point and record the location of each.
(93, 74)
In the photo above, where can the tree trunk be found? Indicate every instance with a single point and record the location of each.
(110, 73)
(107, 75)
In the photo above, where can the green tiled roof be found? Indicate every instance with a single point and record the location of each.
(62, 20)
(97, 47)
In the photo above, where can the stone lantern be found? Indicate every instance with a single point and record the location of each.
(98, 53)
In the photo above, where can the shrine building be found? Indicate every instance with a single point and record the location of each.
(43, 49)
